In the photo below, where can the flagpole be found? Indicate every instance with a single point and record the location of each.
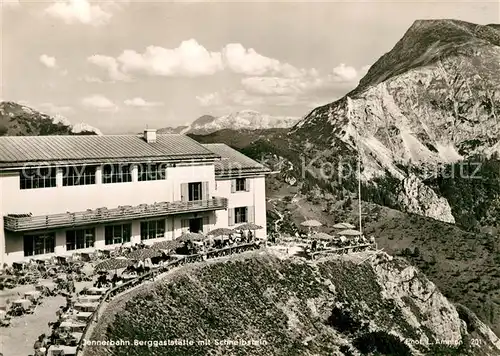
(349, 104)
(359, 189)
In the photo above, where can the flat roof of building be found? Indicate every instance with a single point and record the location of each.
(85, 149)
(234, 163)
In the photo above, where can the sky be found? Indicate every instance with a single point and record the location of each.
(122, 66)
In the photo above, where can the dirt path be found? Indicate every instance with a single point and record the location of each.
(19, 337)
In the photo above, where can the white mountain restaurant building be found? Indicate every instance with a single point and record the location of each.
(66, 194)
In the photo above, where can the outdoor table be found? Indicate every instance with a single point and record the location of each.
(97, 291)
(51, 286)
(89, 298)
(32, 295)
(129, 276)
(25, 303)
(56, 350)
(73, 326)
(84, 307)
(83, 316)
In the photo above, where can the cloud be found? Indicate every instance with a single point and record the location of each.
(189, 59)
(306, 90)
(90, 79)
(211, 99)
(55, 109)
(10, 4)
(141, 103)
(274, 85)
(340, 77)
(225, 98)
(79, 11)
(99, 102)
(345, 73)
(111, 65)
(248, 62)
(48, 61)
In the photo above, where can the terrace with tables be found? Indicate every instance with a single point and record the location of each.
(86, 281)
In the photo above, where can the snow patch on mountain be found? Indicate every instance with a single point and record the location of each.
(241, 120)
(75, 128)
(83, 127)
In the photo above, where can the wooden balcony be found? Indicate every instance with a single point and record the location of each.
(26, 222)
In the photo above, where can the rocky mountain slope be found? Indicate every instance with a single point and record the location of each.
(461, 263)
(241, 120)
(433, 100)
(271, 304)
(20, 120)
(425, 119)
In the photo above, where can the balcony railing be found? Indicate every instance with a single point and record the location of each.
(25, 222)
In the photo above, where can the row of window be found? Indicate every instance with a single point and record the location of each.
(85, 238)
(121, 233)
(46, 177)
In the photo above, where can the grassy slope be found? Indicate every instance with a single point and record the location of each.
(287, 303)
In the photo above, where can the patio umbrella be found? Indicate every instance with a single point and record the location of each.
(113, 264)
(343, 226)
(143, 253)
(248, 226)
(322, 236)
(166, 245)
(191, 236)
(220, 231)
(310, 224)
(350, 232)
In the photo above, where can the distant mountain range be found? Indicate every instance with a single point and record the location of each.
(241, 120)
(21, 120)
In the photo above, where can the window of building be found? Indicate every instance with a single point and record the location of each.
(152, 229)
(241, 184)
(240, 215)
(38, 178)
(39, 244)
(151, 171)
(117, 234)
(82, 238)
(116, 173)
(194, 190)
(79, 176)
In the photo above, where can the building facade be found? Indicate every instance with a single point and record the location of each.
(66, 194)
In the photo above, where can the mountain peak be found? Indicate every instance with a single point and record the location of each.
(432, 100)
(239, 120)
(20, 120)
(427, 42)
(203, 120)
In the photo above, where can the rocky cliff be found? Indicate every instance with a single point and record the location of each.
(434, 99)
(266, 303)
